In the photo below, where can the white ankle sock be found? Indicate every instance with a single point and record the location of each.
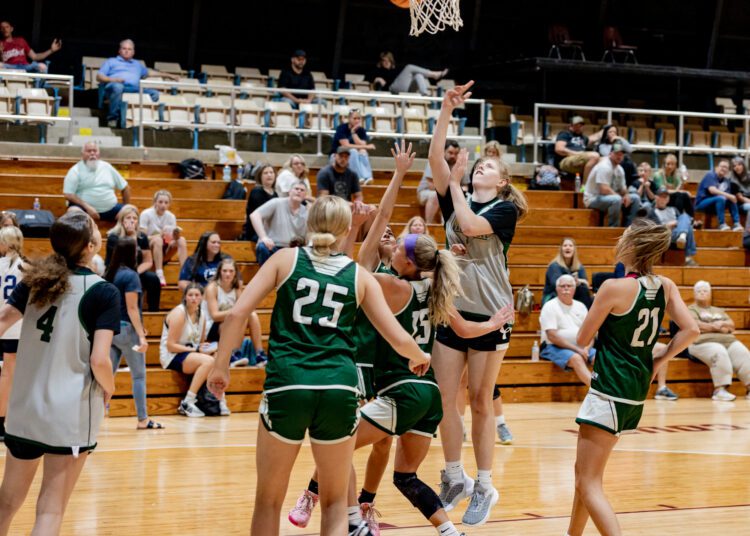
(160, 273)
(454, 470)
(499, 420)
(484, 478)
(355, 515)
(191, 397)
(448, 529)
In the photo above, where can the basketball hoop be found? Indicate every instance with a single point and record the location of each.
(433, 16)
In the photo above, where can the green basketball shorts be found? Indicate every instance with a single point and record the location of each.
(408, 407)
(609, 415)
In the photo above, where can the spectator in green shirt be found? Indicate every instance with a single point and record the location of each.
(672, 180)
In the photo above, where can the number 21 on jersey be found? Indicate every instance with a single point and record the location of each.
(329, 292)
(646, 317)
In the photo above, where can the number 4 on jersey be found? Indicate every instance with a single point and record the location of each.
(44, 324)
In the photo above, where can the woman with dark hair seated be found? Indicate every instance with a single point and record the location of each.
(566, 262)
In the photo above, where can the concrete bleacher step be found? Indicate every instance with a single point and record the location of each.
(102, 141)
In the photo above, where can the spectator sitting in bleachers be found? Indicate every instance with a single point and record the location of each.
(718, 346)
(16, 52)
(201, 266)
(296, 77)
(339, 179)
(610, 135)
(353, 136)
(643, 187)
(567, 263)
(680, 224)
(8, 218)
(123, 74)
(741, 180)
(606, 190)
(164, 235)
(426, 194)
(292, 171)
(493, 149)
(127, 227)
(560, 320)
(674, 181)
(265, 180)
(411, 77)
(415, 225)
(279, 222)
(571, 149)
(91, 183)
(714, 196)
(183, 345)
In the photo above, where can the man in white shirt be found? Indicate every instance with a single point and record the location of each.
(606, 189)
(279, 222)
(560, 320)
(90, 186)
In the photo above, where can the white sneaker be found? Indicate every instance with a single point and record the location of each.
(189, 409)
(162, 279)
(737, 227)
(480, 506)
(724, 227)
(681, 241)
(722, 395)
(223, 408)
(452, 493)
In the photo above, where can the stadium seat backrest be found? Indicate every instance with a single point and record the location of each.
(213, 111)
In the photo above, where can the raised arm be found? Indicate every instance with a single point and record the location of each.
(440, 171)
(368, 254)
(470, 223)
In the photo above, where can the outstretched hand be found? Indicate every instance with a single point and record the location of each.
(456, 96)
(403, 156)
(459, 168)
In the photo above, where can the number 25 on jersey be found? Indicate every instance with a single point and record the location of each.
(308, 302)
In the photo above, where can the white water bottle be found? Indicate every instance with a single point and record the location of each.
(535, 351)
(37, 205)
(578, 183)
(227, 176)
(683, 173)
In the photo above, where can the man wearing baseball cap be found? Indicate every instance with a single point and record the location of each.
(571, 154)
(296, 77)
(606, 189)
(680, 223)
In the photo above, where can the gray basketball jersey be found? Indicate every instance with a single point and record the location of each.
(484, 273)
(55, 399)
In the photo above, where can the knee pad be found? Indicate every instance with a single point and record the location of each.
(418, 493)
(496, 392)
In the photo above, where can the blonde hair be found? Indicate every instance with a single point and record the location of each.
(328, 220)
(164, 193)
(12, 238)
(494, 145)
(119, 228)
(288, 166)
(386, 56)
(407, 227)
(446, 277)
(575, 263)
(642, 245)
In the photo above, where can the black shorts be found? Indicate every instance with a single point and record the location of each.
(213, 333)
(9, 346)
(490, 342)
(25, 449)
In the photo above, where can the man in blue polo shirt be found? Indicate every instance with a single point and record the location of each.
(715, 195)
(123, 74)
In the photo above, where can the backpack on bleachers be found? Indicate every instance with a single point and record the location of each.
(547, 178)
(192, 168)
(525, 301)
(35, 223)
(207, 402)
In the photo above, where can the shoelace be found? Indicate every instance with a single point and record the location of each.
(305, 502)
(370, 513)
(476, 500)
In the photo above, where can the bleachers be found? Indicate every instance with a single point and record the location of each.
(551, 218)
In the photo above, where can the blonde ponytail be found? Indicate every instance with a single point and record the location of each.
(642, 245)
(515, 196)
(446, 278)
(328, 220)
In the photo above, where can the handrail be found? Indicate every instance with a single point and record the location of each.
(679, 148)
(348, 94)
(69, 81)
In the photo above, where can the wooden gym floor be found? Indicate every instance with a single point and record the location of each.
(685, 472)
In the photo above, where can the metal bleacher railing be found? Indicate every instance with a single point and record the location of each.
(680, 146)
(24, 99)
(321, 101)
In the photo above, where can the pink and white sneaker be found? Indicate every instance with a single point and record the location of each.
(369, 514)
(299, 516)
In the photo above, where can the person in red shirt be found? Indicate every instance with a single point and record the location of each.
(16, 52)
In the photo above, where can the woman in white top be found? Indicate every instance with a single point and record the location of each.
(294, 170)
(160, 225)
(11, 247)
(181, 347)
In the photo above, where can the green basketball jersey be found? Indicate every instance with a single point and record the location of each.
(312, 341)
(365, 335)
(624, 359)
(390, 367)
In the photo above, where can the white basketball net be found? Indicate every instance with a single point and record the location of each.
(433, 16)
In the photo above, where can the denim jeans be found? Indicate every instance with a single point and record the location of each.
(122, 345)
(717, 204)
(262, 253)
(359, 163)
(32, 67)
(612, 205)
(114, 91)
(685, 225)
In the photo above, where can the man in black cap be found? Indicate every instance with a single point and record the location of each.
(296, 77)
(571, 149)
(606, 189)
(680, 224)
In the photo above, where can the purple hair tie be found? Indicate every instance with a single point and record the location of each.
(410, 241)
